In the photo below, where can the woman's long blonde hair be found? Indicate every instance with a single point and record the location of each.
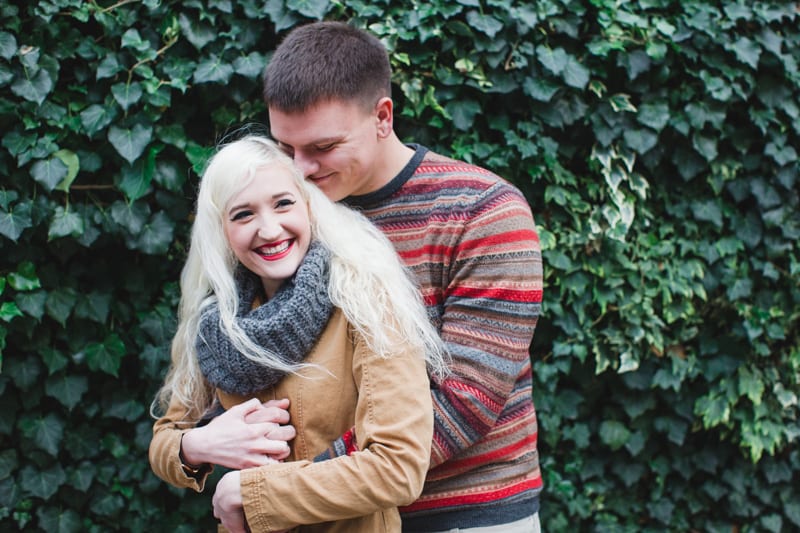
(367, 281)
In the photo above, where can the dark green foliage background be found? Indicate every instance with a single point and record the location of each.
(656, 141)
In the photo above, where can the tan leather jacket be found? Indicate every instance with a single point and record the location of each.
(387, 400)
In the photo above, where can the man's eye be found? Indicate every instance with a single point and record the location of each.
(286, 149)
(325, 147)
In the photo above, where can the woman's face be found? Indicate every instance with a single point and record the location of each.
(268, 228)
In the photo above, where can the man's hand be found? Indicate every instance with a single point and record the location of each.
(227, 502)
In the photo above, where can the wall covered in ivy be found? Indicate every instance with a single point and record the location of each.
(657, 142)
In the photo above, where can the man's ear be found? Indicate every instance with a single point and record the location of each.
(384, 114)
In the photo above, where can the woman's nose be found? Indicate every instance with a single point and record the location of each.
(269, 229)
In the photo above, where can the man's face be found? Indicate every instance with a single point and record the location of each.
(335, 145)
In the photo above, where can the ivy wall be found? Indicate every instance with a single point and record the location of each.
(656, 141)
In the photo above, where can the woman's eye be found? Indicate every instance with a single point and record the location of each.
(239, 215)
(284, 203)
(326, 147)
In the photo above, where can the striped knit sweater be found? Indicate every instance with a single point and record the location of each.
(470, 239)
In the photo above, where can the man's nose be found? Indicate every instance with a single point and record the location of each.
(308, 165)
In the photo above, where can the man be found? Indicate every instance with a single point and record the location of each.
(469, 238)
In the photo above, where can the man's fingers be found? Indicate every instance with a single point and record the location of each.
(284, 433)
(267, 414)
(247, 407)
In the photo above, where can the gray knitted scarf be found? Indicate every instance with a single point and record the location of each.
(288, 325)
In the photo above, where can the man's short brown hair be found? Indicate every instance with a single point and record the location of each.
(326, 61)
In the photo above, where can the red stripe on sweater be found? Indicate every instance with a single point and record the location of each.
(500, 239)
(468, 499)
(486, 458)
(500, 293)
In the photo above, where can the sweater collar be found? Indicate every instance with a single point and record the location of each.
(374, 197)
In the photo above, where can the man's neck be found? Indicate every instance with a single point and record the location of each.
(396, 156)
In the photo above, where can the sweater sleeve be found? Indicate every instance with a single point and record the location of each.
(490, 300)
(490, 304)
(394, 424)
(165, 447)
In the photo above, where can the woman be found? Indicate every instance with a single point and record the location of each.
(287, 295)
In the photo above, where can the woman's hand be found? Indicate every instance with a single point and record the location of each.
(245, 436)
(227, 502)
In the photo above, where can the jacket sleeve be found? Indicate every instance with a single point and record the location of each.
(165, 448)
(394, 425)
(490, 308)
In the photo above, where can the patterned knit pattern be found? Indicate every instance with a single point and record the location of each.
(344, 445)
(470, 239)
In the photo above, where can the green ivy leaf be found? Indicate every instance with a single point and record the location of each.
(136, 179)
(127, 94)
(157, 235)
(130, 143)
(44, 432)
(32, 303)
(94, 306)
(614, 434)
(198, 156)
(16, 220)
(65, 223)
(713, 408)
(250, 66)
(56, 520)
(708, 210)
(73, 164)
(8, 45)
(747, 51)
(108, 504)
(25, 278)
(96, 118)
(34, 89)
(82, 475)
(640, 140)
(654, 115)
(792, 510)
(49, 172)
(8, 311)
(106, 356)
(132, 217)
(23, 370)
(68, 390)
(42, 483)
(552, 60)
(463, 113)
(60, 303)
(213, 70)
(539, 88)
(108, 67)
(486, 24)
(8, 463)
(575, 74)
(53, 360)
(197, 34)
(751, 385)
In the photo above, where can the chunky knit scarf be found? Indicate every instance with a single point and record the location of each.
(287, 325)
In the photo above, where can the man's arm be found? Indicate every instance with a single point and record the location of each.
(491, 304)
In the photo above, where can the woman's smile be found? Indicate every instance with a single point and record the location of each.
(273, 252)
